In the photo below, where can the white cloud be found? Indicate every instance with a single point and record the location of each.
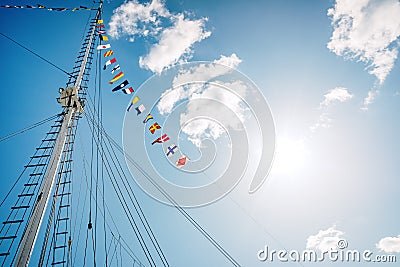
(174, 43)
(366, 31)
(325, 240)
(186, 88)
(133, 18)
(324, 121)
(202, 72)
(205, 128)
(174, 33)
(338, 94)
(369, 99)
(231, 61)
(389, 244)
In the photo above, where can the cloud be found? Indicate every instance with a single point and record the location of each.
(325, 240)
(324, 121)
(338, 94)
(389, 244)
(366, 31)
(202, 72)
(132, 18)
(231, 61)
(173, 33)
(174, 43)
(369, 99)
(186, 88)
(206, 128)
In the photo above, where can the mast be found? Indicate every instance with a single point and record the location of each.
(72, 104)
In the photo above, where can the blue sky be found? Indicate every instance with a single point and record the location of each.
(331, 82)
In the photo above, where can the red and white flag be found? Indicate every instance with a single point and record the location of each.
(162, 139)
(182, 161)
(106, 46)
(109, 62)
(128, 91)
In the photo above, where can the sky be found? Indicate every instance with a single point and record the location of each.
(327, 71)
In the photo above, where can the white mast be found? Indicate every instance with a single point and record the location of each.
(69, 99)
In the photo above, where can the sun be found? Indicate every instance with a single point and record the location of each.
(290, 156)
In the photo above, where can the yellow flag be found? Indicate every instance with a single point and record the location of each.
(135, 99)
(116, 77)
(99, 21)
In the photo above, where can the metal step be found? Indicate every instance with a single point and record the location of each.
(20, 207)
(65, 206)
(26, 195)
(4, 254)
(35, 165)
(62, 233)
(53, 132)
(32, 184)
(64, 194)
(40, 156)
(63, 183)
(63, 246)
(36, 174)
(64, 219)
(44, 147)
(7, 237)
(65, 171)
(13, 221)
(49, 140)
(58, 262)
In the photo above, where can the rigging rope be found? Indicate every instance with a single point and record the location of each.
(97, 126)
(175, 204)
(36, 54)
(27, 128)
(126, 247)
(14, 134)
(122, 200)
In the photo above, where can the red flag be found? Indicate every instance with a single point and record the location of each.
(161, 139)
(182, 161)
(153, 128)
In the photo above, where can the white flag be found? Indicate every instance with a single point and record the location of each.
(106, 46)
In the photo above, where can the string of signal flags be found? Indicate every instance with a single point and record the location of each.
(115, 69)
(38, 6)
